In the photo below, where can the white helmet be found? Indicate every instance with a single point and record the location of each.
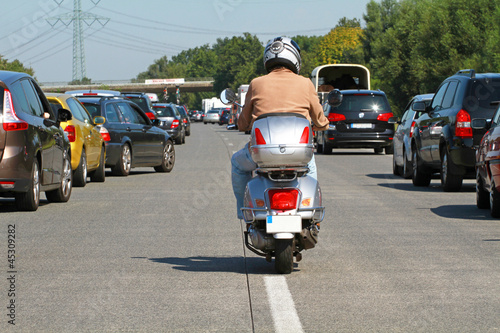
(282, 51)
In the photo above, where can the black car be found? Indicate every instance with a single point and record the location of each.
(359, 122)
(401, 158)
(171, 121)
(134, 141)
(144, 102)
(224, 117)
(443, 140)
(34, 150)
(185, 119)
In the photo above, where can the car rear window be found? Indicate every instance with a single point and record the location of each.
(363, 102)
(93, 109)
(482, 93)
(164, 111)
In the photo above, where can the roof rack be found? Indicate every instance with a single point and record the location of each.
(467, 72)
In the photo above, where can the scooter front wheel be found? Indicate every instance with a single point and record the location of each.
(284, 256)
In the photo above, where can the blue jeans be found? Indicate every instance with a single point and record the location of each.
(242, 166)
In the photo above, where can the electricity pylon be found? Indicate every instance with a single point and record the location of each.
(77, 17)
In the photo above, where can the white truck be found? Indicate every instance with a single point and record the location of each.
(208, 104)
(325, 78)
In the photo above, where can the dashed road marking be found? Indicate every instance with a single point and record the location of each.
(285, 316)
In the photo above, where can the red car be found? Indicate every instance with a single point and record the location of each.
(488, 165)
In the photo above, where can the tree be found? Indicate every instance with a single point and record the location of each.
(14, 66)
(341, 45)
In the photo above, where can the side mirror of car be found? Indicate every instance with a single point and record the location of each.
(64, 115)
(419, 107)
(99, 120)
(479, 124)
(227, 96)
(334, 98)
(394, 120)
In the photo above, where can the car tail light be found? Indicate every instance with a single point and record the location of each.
(10, 120)
(412, 128)
(184, 120)
(70, 130)
(463, 127)
(90, 94)
(151, 115)
(7, 185)
(385, 116)
(105, 134)
(304, 138)
(335, 117)
(175, 124)
(283, 199)
(259, 139)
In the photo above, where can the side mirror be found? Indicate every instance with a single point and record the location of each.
(64, 115)
(227, 96)
(419, 107)
(479, 124)
(394, 120)
(99, 120)
(334, 98)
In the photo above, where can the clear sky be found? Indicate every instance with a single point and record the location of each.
(138, 32)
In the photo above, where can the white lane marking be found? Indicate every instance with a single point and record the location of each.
(282, 307)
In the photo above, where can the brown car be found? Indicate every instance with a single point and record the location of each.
(34, 151)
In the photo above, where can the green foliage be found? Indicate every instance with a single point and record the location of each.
(14, 66)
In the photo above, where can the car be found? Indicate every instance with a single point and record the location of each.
(443, 140)
(361, 121)
(171, 121)
(185, 119)
(488, 164)
(144, 100)
(197, 116)
(212, 116)
(401, 158)
(35, 152)
(133, 140)
(224, 117)
(88, 152)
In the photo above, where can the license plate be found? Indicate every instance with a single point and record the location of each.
(361, 125)
(276, 224)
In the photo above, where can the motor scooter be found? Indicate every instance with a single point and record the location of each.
(282, 203)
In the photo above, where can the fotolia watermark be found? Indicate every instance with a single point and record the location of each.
(31, 27)
(222, 7)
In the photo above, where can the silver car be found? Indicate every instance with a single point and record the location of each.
(212, 116)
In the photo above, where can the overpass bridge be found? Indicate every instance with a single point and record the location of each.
(154, 86)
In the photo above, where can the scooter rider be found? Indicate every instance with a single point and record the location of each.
(281, 90)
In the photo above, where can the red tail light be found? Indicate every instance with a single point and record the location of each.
(10, 120)
(412, 128)
(385, 116)
(151, 115)
(335, 117)
(175, 124)
(305, 136)
(259, 139)
(184, 120)
(463, 128)
(70, 130)
(105, 134)
(283, 199)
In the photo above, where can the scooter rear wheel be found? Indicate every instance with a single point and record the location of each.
(284, 256)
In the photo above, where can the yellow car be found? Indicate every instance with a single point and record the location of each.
(88, 154)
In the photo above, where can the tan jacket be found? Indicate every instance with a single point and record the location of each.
(282, 91)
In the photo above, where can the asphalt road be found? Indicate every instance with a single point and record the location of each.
(164, 253)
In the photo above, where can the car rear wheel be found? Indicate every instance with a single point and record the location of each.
(30, 200)
(482, 196)
(494, 201)
(63, 193)
(122, 168)
(389, 150)
(378, 150)
(396, 169)
(420, 177)
(80, 175)
(451, 182)
(168, 159)
(407, 168)
(99, 175)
